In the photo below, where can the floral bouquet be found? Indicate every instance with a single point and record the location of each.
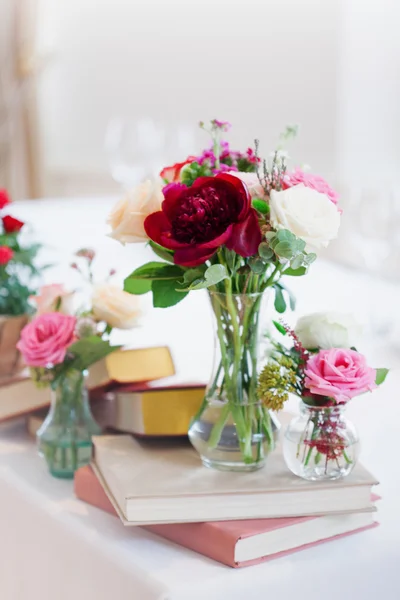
(236, 225)
(16, 264)
(325, 371)
(59, 345)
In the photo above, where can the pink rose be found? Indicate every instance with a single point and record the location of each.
(315, 182)
(46, 339)
(340, 374)
(53, 298)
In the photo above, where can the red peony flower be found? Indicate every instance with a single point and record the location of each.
(172, 173)
(4, 199)
(6, 255)
(12, 225)
(196, 221)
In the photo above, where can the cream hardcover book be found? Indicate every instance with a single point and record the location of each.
(152, 482)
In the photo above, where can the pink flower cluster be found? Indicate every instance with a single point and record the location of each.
(44, 342)
(340, 374)
(315, 182)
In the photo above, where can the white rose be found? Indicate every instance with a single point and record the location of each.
(307, 213)
(114, 306)
(128, 216)
(328, 330)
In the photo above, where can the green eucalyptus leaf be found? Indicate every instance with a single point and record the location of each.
(260, 206)
(297, 261)
(381, 375)
(256, 265)
(269, 236)
(283, 249)
(265, 251)
(284, 235)
(165, 293)
(310, 258)
(212, 276)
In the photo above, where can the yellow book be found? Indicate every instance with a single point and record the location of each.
(132, 366)
(151, 410)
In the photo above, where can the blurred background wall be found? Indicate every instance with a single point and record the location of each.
(332, 66)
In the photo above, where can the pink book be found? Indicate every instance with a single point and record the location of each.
(239, 543)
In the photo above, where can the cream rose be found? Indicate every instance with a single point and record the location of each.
(54, 298)
(251, 181)
(328, 330)
(114, 306)
(307, 213)
(128, 216)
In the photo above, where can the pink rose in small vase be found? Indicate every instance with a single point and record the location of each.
(340, 374)
(315, 182)
(46, 339)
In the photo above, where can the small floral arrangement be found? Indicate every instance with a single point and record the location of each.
(234, 224)
(16, 264)
(323, 368)
(60, 338)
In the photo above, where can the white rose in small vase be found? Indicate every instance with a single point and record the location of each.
(116, 307)
(328, 330)
(128, 216)
(308, 214)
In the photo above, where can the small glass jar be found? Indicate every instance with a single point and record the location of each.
(321, 443)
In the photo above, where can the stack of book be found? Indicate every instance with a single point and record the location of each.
(238, 519)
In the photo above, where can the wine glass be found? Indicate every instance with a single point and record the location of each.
(135, 148)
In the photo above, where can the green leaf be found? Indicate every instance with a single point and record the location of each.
(265, 251)
(297, 262)
(283, 249)
(295, 272)
(284, 235)
(192, 275)
(270, 235)
(165, 293)
(256, 265)
(137, 286)
(212, 276)
(381, 375)
(280, 303)
(89, 351)
(280, 327)
(163, 253)
(310, 258)
(260, 205)
(157, 270)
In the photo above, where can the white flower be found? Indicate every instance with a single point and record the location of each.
(114, 306)
(307, 213)
(128, 216)
(251, 181)
(328, 330)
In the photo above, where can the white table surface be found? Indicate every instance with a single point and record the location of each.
(54, 547)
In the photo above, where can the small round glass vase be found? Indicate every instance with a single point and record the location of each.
(65, 437)
(321, 443)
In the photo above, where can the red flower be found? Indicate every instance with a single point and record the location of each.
(4, 199)
(172, 173)
(12, 225)
(6, 255)
(196, 221)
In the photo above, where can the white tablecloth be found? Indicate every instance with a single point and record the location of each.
(53, 547)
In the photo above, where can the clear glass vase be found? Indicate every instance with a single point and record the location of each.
(321, 443)
(233, 431)
(65, 438)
